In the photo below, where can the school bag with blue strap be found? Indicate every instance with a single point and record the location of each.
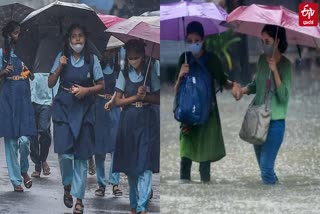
(195, 97)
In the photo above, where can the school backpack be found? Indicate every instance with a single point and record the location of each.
(194, 99)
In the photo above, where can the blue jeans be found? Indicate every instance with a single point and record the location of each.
(101, 175)
(74, 173)
(140, 190)
(12, 145)
(267, 153)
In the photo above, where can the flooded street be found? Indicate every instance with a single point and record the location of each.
(235, 185)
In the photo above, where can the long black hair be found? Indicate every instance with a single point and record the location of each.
(67, 49)
(137, 46)
(271, 30)
(8, 43)
(116, 64)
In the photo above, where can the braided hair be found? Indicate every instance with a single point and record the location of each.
(8, 42)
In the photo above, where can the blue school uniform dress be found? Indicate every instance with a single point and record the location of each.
(106, 125)
(137, 150)
(73, 118)
(17, 120)
(16, 111)
(138, 139)
(106, 128)
(73, 121)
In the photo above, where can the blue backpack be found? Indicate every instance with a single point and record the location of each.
(195, 96)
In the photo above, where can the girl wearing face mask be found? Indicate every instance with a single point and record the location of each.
(16, 111)
(203, 144)
(272, 63)
(73, 112)
(137, 150)
(107, 121)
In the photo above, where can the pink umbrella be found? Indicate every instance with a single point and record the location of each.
(109, 20)
(133, 28)
(251, 19)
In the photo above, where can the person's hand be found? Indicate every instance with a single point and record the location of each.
(79, 91)
(142, 91)
(272, 64)
(108, 105)
(184, 70)
(237, 91)
(8, 69)
(63, 60)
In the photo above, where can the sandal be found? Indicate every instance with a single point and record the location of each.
(18, 188)
(116, 191)
(78, 208)
(92, 167)
(45, 168)
(100, 192)
(27, 180)
(35, 174)
(67, 198)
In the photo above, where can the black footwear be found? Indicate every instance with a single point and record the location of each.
(67, 198)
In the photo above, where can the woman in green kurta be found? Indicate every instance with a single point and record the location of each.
(203, 143)
(272, 63)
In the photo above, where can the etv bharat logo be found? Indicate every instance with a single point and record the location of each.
(308, 14)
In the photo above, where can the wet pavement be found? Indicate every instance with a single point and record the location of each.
(46, 194)
(235, 186)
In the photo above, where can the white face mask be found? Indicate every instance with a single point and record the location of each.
(135, 63)
(77, 47)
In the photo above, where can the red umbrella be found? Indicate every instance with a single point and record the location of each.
(251, 19)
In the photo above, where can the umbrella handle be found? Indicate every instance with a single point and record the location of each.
(184, 35)
(145, 79)
(274, 49)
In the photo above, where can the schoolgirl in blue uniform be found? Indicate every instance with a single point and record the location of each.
(107, 121)
(16, 111)
(73, 112)
(138, 141)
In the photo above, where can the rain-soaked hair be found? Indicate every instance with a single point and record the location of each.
(6, 31)
(271, 30)
(67, 49)
(137, 46)
(195, 27)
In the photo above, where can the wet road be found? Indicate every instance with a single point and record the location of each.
(46, 194)
(235, 186)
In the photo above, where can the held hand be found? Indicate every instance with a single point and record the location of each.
(272, 64)
(79, 91)
(63, 60)
(108, 105)
(142, 91)
(8, 69)
(237, 91)
(184, 70)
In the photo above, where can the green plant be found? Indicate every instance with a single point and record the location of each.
(220, 44)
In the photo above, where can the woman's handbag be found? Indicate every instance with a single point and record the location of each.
(256, 121)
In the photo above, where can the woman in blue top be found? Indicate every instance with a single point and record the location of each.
(16, 112)
(138, 141)
(73, 112)
(106, 125)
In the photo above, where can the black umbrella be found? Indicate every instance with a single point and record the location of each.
(12, 12)
(53, 21)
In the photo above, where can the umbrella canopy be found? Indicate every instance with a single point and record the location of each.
(109, 20)
(56, 18)
(251, 19)
(176, 16)
(13, 12)
(136, 27)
